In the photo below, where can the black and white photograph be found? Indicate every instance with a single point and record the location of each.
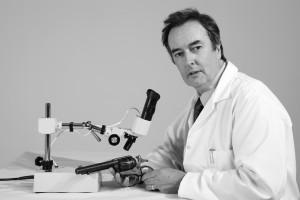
(140, 99)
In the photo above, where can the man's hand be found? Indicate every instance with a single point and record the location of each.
(166, 180)
(125, 180)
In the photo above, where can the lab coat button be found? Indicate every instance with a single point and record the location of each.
(188, 146)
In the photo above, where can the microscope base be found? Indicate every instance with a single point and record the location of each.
(66, 181)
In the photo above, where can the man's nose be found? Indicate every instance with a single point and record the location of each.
(190, 58)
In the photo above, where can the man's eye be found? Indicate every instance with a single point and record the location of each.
(179, 54)
(196, 48)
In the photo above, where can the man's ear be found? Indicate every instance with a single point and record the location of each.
(219, 51)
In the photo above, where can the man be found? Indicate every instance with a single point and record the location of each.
(241, 145)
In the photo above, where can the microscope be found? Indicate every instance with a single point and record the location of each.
(52, 181)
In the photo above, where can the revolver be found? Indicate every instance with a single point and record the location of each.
(126, 166)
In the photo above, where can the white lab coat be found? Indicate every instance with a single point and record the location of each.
(240, 147)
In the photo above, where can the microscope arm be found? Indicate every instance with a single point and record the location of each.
(113, 133)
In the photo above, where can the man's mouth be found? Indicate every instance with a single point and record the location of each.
(194, 72)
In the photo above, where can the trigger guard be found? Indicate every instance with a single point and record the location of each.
(133, 179)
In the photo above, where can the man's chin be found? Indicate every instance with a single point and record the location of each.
(199, 88)
(196, 84)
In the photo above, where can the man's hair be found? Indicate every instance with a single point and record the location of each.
(191, 14)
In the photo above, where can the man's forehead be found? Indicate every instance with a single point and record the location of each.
(187, 33)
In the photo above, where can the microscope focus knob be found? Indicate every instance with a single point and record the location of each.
(38, 161)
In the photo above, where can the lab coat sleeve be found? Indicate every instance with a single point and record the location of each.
(260, 128)
(170, 154)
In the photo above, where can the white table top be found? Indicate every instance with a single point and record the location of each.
(24, 166)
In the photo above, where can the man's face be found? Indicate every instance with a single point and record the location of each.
(194, 56)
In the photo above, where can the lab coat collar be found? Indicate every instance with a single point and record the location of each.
(222, 90)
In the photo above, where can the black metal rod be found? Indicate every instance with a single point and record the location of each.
(47, 157)
(48, 110)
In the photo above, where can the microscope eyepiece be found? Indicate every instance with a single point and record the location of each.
(149, 107)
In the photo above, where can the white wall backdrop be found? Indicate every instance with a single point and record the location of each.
(93, 59)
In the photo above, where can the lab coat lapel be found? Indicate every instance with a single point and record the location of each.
(205, 113)
(221, 92)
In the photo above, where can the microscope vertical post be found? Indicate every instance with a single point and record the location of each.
(47, 158)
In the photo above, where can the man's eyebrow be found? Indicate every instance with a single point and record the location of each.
(191, 44)
(195, 42)
(174, 50)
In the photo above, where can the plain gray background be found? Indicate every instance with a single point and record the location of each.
(92, 60)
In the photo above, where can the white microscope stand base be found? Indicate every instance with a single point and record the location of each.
(65, 180)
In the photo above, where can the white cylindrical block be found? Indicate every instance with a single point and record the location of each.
(47, 125)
